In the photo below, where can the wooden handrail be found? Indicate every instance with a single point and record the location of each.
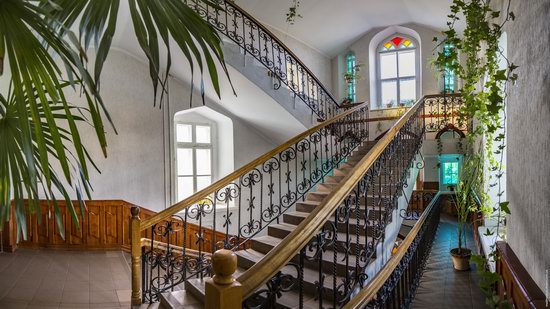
(281, 254)
(197, 197)
(368, 293)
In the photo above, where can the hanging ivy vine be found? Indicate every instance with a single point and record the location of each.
(293, 12)
(484, 92)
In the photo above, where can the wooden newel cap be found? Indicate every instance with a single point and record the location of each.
(224, 265)
(134, 211)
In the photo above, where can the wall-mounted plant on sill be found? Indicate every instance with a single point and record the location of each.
(483, 91)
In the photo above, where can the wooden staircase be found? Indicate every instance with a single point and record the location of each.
(261, 245)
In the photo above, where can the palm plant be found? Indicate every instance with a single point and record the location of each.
(38, 126)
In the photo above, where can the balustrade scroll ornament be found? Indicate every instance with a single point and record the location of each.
(442, 110)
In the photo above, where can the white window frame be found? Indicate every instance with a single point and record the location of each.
(379, 79)
(194, 145)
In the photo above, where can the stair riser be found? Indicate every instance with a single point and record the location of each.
(374, 215)
(372, 203)
(280, 233)
(308, 284)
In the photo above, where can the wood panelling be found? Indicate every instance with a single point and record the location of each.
(104, 225)
(516, 285)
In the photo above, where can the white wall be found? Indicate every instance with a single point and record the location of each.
(138, 166)
(315, 60)
(362, 49)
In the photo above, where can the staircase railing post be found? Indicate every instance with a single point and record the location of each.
(136, 255)
(222, 290)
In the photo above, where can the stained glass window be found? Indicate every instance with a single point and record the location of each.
(450, 173)
(397, 72)
(397, 42)
(449, 74)
(350, 69)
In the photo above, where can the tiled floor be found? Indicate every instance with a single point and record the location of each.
(64, 279)
(441, 286)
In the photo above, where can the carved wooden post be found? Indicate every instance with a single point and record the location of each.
(136, 255)
(222, 290)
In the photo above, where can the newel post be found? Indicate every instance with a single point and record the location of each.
(222, 290)
(136, 255)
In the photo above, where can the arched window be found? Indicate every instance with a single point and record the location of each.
(398, 71)
(351, 79)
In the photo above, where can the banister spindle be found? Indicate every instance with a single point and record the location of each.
(222, 290)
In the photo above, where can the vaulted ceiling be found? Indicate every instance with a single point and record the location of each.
(331, 25)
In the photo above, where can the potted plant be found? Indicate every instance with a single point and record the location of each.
(469, 180)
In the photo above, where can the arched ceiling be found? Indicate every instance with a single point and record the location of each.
(331, 25)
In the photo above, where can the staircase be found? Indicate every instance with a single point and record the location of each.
(312, 221)
(261, 245)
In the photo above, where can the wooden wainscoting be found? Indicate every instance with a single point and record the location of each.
(105, 225)
(517, 285)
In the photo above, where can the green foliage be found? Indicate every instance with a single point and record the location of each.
(470, 181)
(293, 12)
(475, 60)
(38, 126)
(488, 280)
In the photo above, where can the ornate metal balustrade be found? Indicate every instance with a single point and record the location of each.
(346, 244)
(395, 285)
(238, 207)
(257, 41)
(444, 110)
(420, 199)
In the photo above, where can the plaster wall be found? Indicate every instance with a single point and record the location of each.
(316, 61)
(528, 140)
(139, 163)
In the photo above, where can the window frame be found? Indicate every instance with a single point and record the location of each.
(449, 88)
(194, 145)
(397, 79)
(351, 87)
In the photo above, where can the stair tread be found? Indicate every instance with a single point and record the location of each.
(328, 256)
(291, 227)
(310, 275)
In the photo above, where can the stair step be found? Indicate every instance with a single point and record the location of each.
(264, 244)
(296, 217)
(250, 257)
(373, 202)
(281, 230)
(180, 299)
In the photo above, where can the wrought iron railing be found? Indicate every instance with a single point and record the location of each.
(442, 111)
(395, 285)
(240, 206)
(418, 202)
(350, 223)
(257, 41)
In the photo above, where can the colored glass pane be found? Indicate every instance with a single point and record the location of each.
(397, 41)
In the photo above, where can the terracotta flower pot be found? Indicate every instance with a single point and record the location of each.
(461, 261)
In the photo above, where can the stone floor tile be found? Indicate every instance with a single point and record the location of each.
(75, 297)
(100, 297)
